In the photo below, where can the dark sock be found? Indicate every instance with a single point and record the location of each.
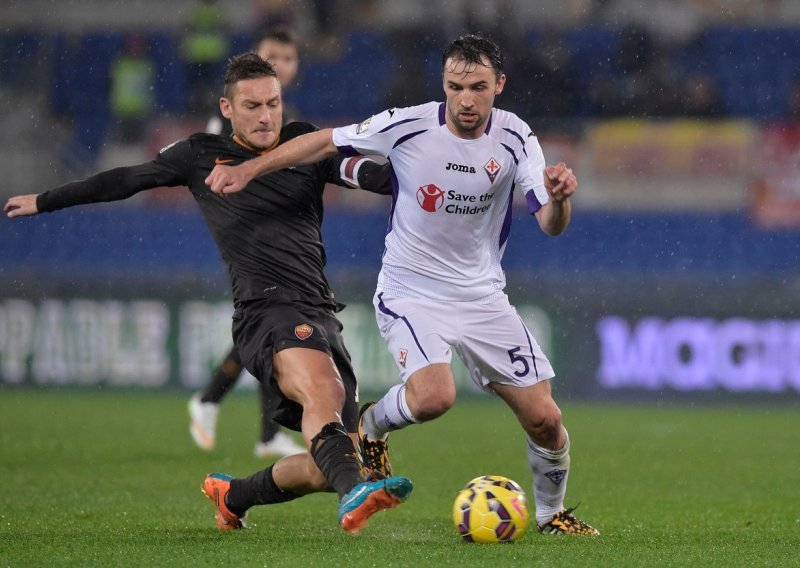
(268, 426)
(225, 376)
(334, 454)
(268, 430)
(258, 489)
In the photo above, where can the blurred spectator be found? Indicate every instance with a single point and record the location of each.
(701, 96)
(328, 27)
(643, 83)
(205, 48)
(131, 94)
(545, 79)
(410, 46)
(275, 13)
(281, 47)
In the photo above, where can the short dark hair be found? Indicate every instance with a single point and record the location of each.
(469, 48)
(246, 66)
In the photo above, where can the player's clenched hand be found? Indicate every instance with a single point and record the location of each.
(227, 179)
(21, 205)
(560, 181)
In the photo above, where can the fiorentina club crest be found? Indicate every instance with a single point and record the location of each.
(492, 168)
(402, 358)
(303, 331)
(556, 475)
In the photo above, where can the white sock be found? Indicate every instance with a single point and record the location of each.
(388, 414)
(550, 471)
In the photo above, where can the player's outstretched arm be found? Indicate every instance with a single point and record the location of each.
(110, 185)
(306, 149)
(21, 205)
(561, 183)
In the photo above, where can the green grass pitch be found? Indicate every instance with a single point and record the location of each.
(111, 478)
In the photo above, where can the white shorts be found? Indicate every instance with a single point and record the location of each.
(491, 339)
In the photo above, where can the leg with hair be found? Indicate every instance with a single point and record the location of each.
(204, 405)
(426, 395)
(548, 454)
(224, 378)
(308, 377)
(273, 440)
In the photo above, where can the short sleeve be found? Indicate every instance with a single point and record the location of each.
(380, 134)
(530, 174)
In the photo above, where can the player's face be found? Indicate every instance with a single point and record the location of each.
(255, 111)
(284, 59)
(470, 91)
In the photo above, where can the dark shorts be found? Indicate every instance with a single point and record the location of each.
(263, 327)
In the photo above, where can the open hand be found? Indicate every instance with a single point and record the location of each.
(21, 205)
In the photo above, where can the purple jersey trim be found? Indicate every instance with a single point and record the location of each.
(506, 228)
(407, 137)
(348, 151)
(398, 123)
(382, 307)
(530, 346)
(395, 192)
(517, 136)
(489, 122)
(510, 151)
(533, 203)
(441, 114)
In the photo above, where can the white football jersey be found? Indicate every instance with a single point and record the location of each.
(451, 209)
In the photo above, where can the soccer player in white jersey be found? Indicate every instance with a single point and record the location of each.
(440, 288)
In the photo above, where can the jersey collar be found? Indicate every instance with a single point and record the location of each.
(244, 144)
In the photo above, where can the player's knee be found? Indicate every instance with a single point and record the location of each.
(333, 391)
(435, 404)
(546, 429)
(327, 392)
(431, 392)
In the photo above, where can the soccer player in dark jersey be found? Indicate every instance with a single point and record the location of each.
(279, 47)
(283, 324)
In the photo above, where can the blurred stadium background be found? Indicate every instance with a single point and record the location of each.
(677, 280)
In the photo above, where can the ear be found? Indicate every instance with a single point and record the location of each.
(225, 108)
(501, 82)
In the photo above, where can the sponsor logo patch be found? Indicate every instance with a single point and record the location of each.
(363, 126)
(430, 197)
(492, 168)
(303, 331)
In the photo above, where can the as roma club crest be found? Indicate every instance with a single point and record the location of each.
(303, 331)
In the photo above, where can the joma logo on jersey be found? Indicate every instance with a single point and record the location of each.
(459, 168)
(430, 197)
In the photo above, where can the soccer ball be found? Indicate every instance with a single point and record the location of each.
(490, 509)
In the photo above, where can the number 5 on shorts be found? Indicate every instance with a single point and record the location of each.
(512, 353)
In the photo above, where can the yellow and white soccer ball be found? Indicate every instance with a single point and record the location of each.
(491, 509)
